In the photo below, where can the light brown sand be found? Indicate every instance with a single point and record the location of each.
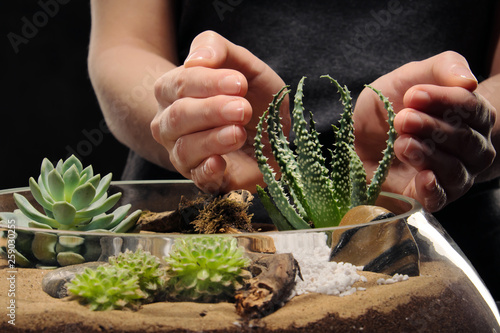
(38, 312)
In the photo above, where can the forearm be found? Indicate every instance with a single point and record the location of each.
(489, 89)
(123, 77)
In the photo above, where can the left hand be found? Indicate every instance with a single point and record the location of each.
(444, 129)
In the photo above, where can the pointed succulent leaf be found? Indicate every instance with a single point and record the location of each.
(103, 186)
(283, 154)
(119, 214)
(64, 213)
(71, 179)
(83, 196)
(43, 181)
(86, 174)
(94, 210)
(278, 219)
(56, 185)
(101, 221)
(59, 166)
(358, 179)
(27, 209)
(341, 158)
(274, 187)
(70, 161)
(37, 194)
(316, 186)
(388, 153)
(94, 180)
(128, 223)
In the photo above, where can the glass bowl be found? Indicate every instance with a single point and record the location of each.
(406, 273)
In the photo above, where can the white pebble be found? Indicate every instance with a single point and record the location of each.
(319, 274)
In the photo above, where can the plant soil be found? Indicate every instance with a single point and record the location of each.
(441, 299)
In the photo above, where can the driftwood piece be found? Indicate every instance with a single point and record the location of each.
(270, 287)
(206, 214)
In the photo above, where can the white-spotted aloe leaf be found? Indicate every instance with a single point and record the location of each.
(317, 188)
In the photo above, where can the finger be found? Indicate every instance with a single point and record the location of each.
(450, 172)
(190, 150)
(455, 106)
(429, 192)
(211, 50)
(445, 69)
(191, 115)
(209, 175)
(472, 148)
(198, 82)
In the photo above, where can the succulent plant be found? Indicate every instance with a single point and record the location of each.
(127, 281)
(72, 198)
(148, 269)
(308, 193)
(205, 268)
(107, 288)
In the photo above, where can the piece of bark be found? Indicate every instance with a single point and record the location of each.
(270, 287)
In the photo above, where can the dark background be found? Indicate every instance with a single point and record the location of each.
(48, 105)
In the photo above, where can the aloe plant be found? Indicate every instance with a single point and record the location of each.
(309, 193)
(71, 198)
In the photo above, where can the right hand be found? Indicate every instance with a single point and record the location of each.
(209, 110)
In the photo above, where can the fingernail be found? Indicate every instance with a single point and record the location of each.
(230, 85)
(412, 122)
(439, 196)
(234, 111)
(199, 54)
(207, 168)
(227, 135)
(463, 72)
(413, 152)
(432, 185)
(420, 99)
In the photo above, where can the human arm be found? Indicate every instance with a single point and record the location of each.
(132, 43)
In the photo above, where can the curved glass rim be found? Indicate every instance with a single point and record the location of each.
(415, 207)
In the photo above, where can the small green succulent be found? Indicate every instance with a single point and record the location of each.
(127, 281)
(205, 268)
(72, 198)
(309, 194)
(148, 269)
(107, 288)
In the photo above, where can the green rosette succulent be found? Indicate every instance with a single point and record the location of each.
(205, 268)
(71, 198)
(127, 281)
(107, 288)
(148, 269)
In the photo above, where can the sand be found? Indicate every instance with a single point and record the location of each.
(436, 300)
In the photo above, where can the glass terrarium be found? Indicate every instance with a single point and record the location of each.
(378, 272)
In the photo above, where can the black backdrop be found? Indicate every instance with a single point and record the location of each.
(48, 107)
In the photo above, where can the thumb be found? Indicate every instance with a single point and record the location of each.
(448, 69)
(209, 49)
